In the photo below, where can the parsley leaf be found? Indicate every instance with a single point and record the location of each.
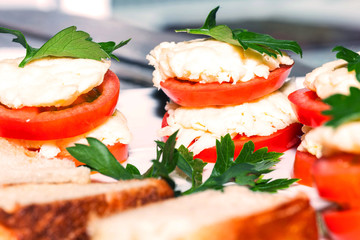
(98, 158)
(20, 38)
(344, 108)
(67, 43)
(268, 185)
(351, 57)
(262, 43)
(193, 168)
(165, 162)
(110, 46)
(247, 169)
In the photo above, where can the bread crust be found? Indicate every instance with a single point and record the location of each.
(67, 219)
(295, 220)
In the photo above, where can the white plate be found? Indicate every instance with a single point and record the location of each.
(141, 108)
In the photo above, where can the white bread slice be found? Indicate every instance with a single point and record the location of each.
(236, 214)
(18, 165)
(62, 211)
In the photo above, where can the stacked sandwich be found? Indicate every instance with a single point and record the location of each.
(57, 96)
(328, 156)
(51, 99)
(308, 104)
(220, 87)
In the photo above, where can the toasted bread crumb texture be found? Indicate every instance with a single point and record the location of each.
(213, 215)
(294, 220)
(62, 211)
(18, 165)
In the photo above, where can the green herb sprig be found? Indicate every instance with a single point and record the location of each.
(247, 169)
(262, 43)
(97, 157)
(343, 108)
(67, 43)
(351, 57)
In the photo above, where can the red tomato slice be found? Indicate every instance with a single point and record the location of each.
(279, 141)
(44, 124)
(343, 225)
(302, 167)
(191, 94)
(308, 107)
(119, 150)
(337, 179)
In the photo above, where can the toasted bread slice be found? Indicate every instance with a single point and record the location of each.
(18, 165)
(237, 213)
(62, 211)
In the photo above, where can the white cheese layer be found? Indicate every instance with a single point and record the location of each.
(114, 130)
(61, 81)
(259, 118)
(210, 61)
(325, 141)
(331, 78)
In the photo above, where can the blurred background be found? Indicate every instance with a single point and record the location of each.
(317, 25)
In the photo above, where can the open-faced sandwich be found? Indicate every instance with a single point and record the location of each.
(61, 93)
(328, 156)
(228, 83)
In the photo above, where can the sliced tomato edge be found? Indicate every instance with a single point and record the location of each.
(307, 94)
(337, 178)
(207, 94)
(303, 167)
(27, 125)
(209, 154)
(294, 128)
(342, 224)
(308, 107)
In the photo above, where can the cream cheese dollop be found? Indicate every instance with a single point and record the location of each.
(331, 78)
(49, 81)
(114, 130)
(325, 141)
(262, 117)
(206, 60)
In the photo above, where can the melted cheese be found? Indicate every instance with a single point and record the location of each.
(61, 81)
(210, 61)
(259, 118)
(331, 78)
(325, 141)
(114, 130)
